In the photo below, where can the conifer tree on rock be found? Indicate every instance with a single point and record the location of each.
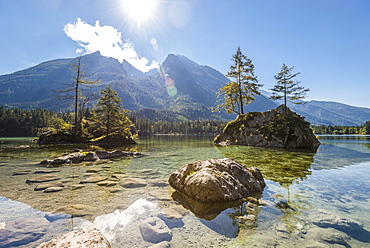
(241, 89)
(287, 89)
(110, 114)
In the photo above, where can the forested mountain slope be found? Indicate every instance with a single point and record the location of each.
(180, 85)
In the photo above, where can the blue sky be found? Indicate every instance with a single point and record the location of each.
(328, 41)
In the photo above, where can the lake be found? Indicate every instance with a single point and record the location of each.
(334, 181)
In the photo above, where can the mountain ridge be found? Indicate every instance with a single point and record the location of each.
(180, 85)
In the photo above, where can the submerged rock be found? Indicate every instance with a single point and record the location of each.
(93, 170)
(48, 185)
(107, 183)
(53, 189)
(77, 186)
(132, 182)
(115, 154)
(323, 218)
(217, 180)
(45, 171)
(76, 210)
(43, 178)
(22, 231)
(272, 128)
(155, 230)
(92, 238)
(22, 172)
(95, 179)
(159, 183)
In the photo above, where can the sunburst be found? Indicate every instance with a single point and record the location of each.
(139, 11)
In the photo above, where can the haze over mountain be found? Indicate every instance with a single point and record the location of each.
(180, 86)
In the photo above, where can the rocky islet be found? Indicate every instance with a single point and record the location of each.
(275, 128)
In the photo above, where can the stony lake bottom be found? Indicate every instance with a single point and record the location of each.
(335, 179)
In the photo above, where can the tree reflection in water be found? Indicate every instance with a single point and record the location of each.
(283, 167)
(280, 166)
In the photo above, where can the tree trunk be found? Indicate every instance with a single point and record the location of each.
(285, 95)
(240, 92)
(76, 107)
(77, 126)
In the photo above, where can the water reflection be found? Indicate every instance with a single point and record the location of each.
(225, 218)
(336, 179)
(206, 211)
(23, 226)
(282, 167)
(278, 165)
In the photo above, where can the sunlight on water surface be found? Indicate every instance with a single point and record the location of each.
(336, 179)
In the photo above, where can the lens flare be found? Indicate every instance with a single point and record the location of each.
(170, 85)
(168, 82)
(172, 91)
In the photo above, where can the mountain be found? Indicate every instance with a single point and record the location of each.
(328, 112)
(332, 113)
(181, 89)
(195, 85)
(133, 72)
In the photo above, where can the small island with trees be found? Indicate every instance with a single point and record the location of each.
(108, 122)
(280, 127)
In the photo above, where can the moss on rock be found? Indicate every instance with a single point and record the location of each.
(273, 128)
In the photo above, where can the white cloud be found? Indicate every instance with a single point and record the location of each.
(108, 41)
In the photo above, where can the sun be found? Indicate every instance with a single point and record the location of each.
(139, 10)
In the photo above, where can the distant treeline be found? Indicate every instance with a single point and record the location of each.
(363, 129)
(23, 123)
(145, 126)
(31, 123)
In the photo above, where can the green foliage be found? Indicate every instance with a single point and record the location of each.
(366, 128)
(157, 115)
(286, 88)
(23, 123)
(29, 123)
(241, 89)
(33, 87)
(58, 124)
(363, 129)
(145, 126)
(110, 115)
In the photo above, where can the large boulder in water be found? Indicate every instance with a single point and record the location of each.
(278, 128)
(217, 180)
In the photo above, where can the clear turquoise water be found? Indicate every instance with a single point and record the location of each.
(336, 178)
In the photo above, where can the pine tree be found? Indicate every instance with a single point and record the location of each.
(366, 128)
(241, 89)
(288, 89)
(109, 112)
